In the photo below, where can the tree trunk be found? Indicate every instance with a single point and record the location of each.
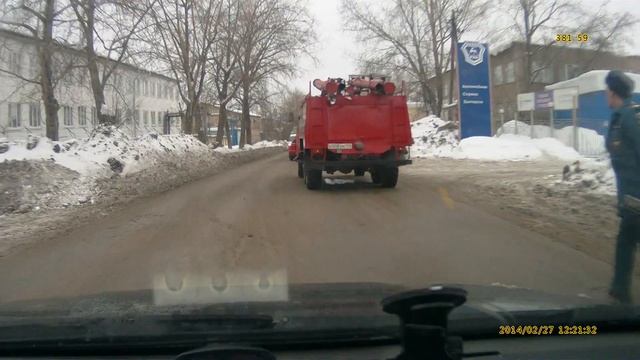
(228, 131)
(202, 124)
(92, 63)
(427, 98)
(245, 126)
(187, 121)
(45, 50)
(438, 105)
(527, 77)
(222, 124)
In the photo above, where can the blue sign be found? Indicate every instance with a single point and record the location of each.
(474, 104)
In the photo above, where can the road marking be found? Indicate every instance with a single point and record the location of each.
(446, 199)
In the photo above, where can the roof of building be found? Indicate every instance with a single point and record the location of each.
(504, 47)
(591, 81)
(507, 46)
(79, 52)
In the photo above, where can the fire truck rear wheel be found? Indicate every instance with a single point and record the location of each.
(389, 177)
(313, 179)
(376, 175)
(300, 170)
(358, 172)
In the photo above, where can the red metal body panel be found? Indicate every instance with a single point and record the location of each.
(379, 123)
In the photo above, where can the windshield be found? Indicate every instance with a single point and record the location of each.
(303, 160)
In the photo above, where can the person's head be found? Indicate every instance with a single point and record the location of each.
(619, 88)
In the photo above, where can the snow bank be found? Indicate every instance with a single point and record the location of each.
(489, 148)
(259, 145)
(434, 137)
(591, 176)
(107, 150)
(513, 147)
(589, 141)
(43, 173)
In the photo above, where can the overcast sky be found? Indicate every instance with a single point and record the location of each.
(337, 50)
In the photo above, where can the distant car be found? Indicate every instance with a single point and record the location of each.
(293, 150)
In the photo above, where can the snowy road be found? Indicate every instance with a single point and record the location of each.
(260, 216)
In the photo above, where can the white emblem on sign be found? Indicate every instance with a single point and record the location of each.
(473, 53)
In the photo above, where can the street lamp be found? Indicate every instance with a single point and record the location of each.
(501, 111)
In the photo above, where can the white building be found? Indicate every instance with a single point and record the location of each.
(138, 99)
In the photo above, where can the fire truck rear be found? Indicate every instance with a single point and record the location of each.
(360, 125)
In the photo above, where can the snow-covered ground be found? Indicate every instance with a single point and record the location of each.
(588, 140)
(434, 137)
(437, 138)
(41, 173)
(259, 145)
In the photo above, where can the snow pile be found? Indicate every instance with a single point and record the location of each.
(491, 148)
(589, 141)
(42, 173)
(265, 143)
(106, 151)
(596, 176)
(259, 145)
(433, 136)
(513, 147)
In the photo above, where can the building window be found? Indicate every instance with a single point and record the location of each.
(159, 90)
(159, 118)
(510, 73)
(82, 116)
(94, 116)
(153, 89)
(15, 115)
(145, 88)
(145, 118)
(35, 116)
(542, 74)
(68, 115)
(15, 63)
(153, 118)
(138, 85)
(497, 75)
(571, 71)
(166, 91)
(136, 117)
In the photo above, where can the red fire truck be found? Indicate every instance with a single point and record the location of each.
(360, 124)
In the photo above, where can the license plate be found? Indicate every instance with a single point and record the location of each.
(340, 146)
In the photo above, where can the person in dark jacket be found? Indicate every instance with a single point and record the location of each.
(623, 144)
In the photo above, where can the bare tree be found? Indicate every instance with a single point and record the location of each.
(271, 33)
(412, 37)
(181, 40)
(281, 117)
(38, 19)
(107, 27)
(532, 17)
(224, 77)
(537, 22)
